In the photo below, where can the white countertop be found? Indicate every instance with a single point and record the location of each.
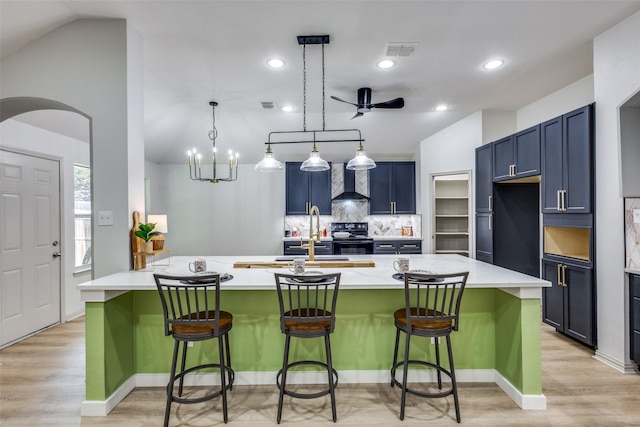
(632, 270)
(481, 275)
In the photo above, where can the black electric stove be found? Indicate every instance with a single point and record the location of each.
(358, 241)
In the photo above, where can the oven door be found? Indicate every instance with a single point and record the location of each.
(345, 247)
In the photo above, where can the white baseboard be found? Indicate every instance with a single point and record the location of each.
(102, 408)
(616, 364)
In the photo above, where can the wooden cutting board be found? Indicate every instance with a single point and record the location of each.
(282, 264)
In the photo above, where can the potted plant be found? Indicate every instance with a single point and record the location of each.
(146, 232)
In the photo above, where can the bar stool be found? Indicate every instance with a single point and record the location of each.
(191, 307)
(432, 306)
(307, 310)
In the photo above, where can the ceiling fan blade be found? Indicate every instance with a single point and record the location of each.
(357, 115)
(393, 103)
(342, 100)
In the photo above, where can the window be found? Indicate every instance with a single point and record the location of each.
(82, 216)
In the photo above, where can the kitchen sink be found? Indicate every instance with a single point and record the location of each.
(317, 258)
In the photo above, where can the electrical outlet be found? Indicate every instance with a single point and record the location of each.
(105, 217)
(636, 216)
(189, 343)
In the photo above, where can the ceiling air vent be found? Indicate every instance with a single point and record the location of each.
(268, 105)
(400, 49)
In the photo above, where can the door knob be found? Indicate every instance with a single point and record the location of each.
(55, 243)
(57, 254)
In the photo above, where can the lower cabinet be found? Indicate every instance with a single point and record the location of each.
(634, 314)
(393, 247)
(568, 305)
(295, 248)
(484, 237)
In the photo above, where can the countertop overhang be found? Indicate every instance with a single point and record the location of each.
(481, 275)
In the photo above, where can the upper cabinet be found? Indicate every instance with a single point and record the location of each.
(518, 155)
(392, 188)
(306, 189)
(567, 180)
(484, 178)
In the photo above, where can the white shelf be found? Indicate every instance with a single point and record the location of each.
(451, 214)
(452, 233)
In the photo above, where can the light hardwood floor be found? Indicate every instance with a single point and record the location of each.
(42, 383)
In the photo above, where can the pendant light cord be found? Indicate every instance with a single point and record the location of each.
(323, 120)
(304, 88)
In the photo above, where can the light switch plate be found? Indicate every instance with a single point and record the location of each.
(105, 217)
(636, 216)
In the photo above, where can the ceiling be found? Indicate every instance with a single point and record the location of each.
(198, 51)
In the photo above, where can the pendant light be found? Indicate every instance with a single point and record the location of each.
(315, 163)
(361, 161)
(269, 163)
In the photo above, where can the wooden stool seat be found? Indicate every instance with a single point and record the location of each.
(308, 325)
(435, 324)
(206, 329)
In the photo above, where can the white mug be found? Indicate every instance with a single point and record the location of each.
(298, 266)
(198, 266)
(401, 265)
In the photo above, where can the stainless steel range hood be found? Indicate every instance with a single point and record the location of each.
(349, 192)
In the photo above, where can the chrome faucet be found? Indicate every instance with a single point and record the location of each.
(313, 237)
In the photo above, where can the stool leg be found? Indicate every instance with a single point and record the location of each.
(395, 357)
(222, 378)
(283, 378)
(438, 373)
(182, 366)
(453, 379)
(172, 377)
(327, 345)
(226, 345)
(404, 375)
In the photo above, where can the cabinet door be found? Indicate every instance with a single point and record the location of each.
(385, 247)
(294, 248)
(484, 178)
(323, 248)
(297, 189)
(403, 187)
(410, 247)
(553, 297)
(552, 164)
(320, 190)
(484, 237)
(579, 307)
(634, 317)
(503, 158)
(380, 188)
(577, 127)
(527, 152)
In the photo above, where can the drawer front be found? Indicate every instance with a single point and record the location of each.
(385, 247)
(412, 247)
(294, 248)
(324, 248)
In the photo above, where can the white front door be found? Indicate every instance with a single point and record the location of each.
(30, 245)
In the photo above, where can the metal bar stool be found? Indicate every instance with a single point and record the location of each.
(307, 310)
(191, 307)
(432, 306)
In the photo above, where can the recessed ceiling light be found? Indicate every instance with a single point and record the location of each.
(288, 108)
(386, 63)
(493, 64)
(442, 107)
(275, 63)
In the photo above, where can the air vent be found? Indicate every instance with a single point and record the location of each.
(268, 105)
(401, 49)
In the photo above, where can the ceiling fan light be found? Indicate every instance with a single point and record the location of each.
(269, 163)
(361, 161)
(315, 163)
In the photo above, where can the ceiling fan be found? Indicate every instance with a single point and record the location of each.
(364, 104)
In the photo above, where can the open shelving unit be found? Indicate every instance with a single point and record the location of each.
(451, 214)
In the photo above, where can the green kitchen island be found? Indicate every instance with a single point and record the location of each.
(498, 340)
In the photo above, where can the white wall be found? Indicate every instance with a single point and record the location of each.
(28, 139)
(616, 78)
(245, 217)
(85, 64)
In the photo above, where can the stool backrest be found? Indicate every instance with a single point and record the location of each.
(307, 299)
(434, 297)
(189, 300)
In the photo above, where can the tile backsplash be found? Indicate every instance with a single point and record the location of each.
(632, 233)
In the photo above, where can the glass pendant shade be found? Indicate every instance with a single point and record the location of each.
(269, 163)
(315, 163)
(361, 161)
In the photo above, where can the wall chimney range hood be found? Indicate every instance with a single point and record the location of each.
(350, 192)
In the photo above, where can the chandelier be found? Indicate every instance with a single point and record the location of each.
(314, 163)
(195, 158)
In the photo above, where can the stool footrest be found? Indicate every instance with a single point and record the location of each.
(443, 393)
(308, 395)
(228, 371)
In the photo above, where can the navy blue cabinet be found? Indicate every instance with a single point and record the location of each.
(484, 178)
(567, 166)
(568, 305)
(484, 237)
(406, 247)
(634, 314)
(306, 189)
(517, 156)
(392, 188)
(295, 248)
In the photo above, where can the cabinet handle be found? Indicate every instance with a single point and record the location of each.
(559, 278)
(564, 197)
(490, 221)
(385, 246)
(296, 247)
(490, 203)
(320, 246)
(564, 276)
(393, 207)
(409, 246)
(558, 200)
